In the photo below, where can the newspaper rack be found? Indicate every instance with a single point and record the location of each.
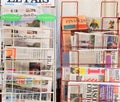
(90, 70)
(28, 55)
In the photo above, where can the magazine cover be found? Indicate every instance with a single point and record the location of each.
(111, 41)
(69, 23)
(82, 22)
(94, 23)
(110, 24)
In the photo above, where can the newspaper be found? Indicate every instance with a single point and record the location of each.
(74, 96)
(83, 74)
(30, 53)
(95, 40)
(28, 96)
(66, 44)
(28, 37)
(45, 83)
(29, 67)
(109, 93)
(82, 40)
(94, 58)
(93, 92)
(112, 75)
(111, 59)
(25, 11)
(27, 87)
(86, 58)
(85, 93)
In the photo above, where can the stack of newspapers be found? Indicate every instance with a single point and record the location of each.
(29, 55)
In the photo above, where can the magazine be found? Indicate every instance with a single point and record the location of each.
(74, 22)
(110, 23)
(94, 23)
(69, 23)
(82, 22)
(111, 41)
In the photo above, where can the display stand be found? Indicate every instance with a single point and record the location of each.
(89, 59)
(29, 53)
